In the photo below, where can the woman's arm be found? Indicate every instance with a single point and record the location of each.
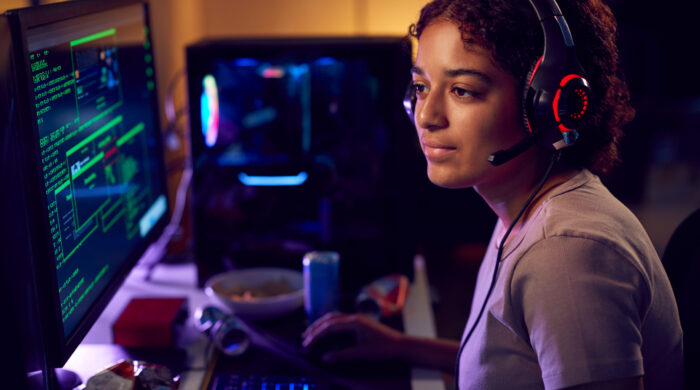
(633, 383)
(375, 341)
(434, 353)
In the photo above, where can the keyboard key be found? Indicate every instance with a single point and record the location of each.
(254, 382)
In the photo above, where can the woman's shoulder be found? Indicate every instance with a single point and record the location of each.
(583, 211)
(584, 207)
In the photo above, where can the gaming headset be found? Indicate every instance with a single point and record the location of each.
(557, 95)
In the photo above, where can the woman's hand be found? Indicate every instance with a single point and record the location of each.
(374, 341)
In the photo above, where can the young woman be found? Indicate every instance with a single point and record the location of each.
(571, 292)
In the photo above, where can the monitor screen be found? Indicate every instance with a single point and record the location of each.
(97, 160)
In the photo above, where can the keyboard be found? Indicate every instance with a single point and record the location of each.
(255, 382)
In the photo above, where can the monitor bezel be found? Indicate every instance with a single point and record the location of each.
(59, 347)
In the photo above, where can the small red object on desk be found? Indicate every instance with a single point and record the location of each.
(149, 322)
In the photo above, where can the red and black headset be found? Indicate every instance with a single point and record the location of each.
(557, 95)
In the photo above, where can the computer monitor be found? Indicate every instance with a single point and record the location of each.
(85, 185)
(301, 144)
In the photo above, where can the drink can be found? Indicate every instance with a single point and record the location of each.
(321, 283)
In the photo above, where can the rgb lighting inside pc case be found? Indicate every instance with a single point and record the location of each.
(301, 144)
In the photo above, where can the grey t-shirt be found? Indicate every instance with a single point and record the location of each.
(581, 296)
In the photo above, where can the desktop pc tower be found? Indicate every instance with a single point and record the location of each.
(301, 144)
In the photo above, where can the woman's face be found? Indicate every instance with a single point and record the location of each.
(467, 108)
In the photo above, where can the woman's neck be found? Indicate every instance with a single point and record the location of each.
(508, 197)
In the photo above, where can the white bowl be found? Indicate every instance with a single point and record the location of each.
(223, 286)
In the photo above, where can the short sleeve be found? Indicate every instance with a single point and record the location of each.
(582, 303)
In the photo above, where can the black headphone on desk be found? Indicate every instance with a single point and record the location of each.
(557, 95)
(228, 333)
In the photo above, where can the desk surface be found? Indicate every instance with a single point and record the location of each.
(96, 352)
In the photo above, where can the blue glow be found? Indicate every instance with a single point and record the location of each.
(236, 157)
(570, 136)
(259, 117)
(152, 215)
(101, 191)
(297, 180)
(298, 71)
(245, 62)
(326, 61)
(204, 112)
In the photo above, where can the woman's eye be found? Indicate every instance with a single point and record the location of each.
(461, 92)
(419, 88)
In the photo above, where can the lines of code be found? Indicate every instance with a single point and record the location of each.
(95, 160)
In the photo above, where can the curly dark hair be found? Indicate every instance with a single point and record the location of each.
(511, 32)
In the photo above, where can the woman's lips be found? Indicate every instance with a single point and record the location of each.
(436, 152)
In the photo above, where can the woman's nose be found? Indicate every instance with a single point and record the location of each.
(430, 112)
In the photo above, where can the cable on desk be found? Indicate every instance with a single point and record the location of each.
(210, 371)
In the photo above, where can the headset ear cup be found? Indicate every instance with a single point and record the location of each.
(409, 102)
(526, 103)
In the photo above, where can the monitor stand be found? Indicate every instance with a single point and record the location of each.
(63, 380)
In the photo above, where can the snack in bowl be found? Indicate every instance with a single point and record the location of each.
(263, 290)
(258, 293)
